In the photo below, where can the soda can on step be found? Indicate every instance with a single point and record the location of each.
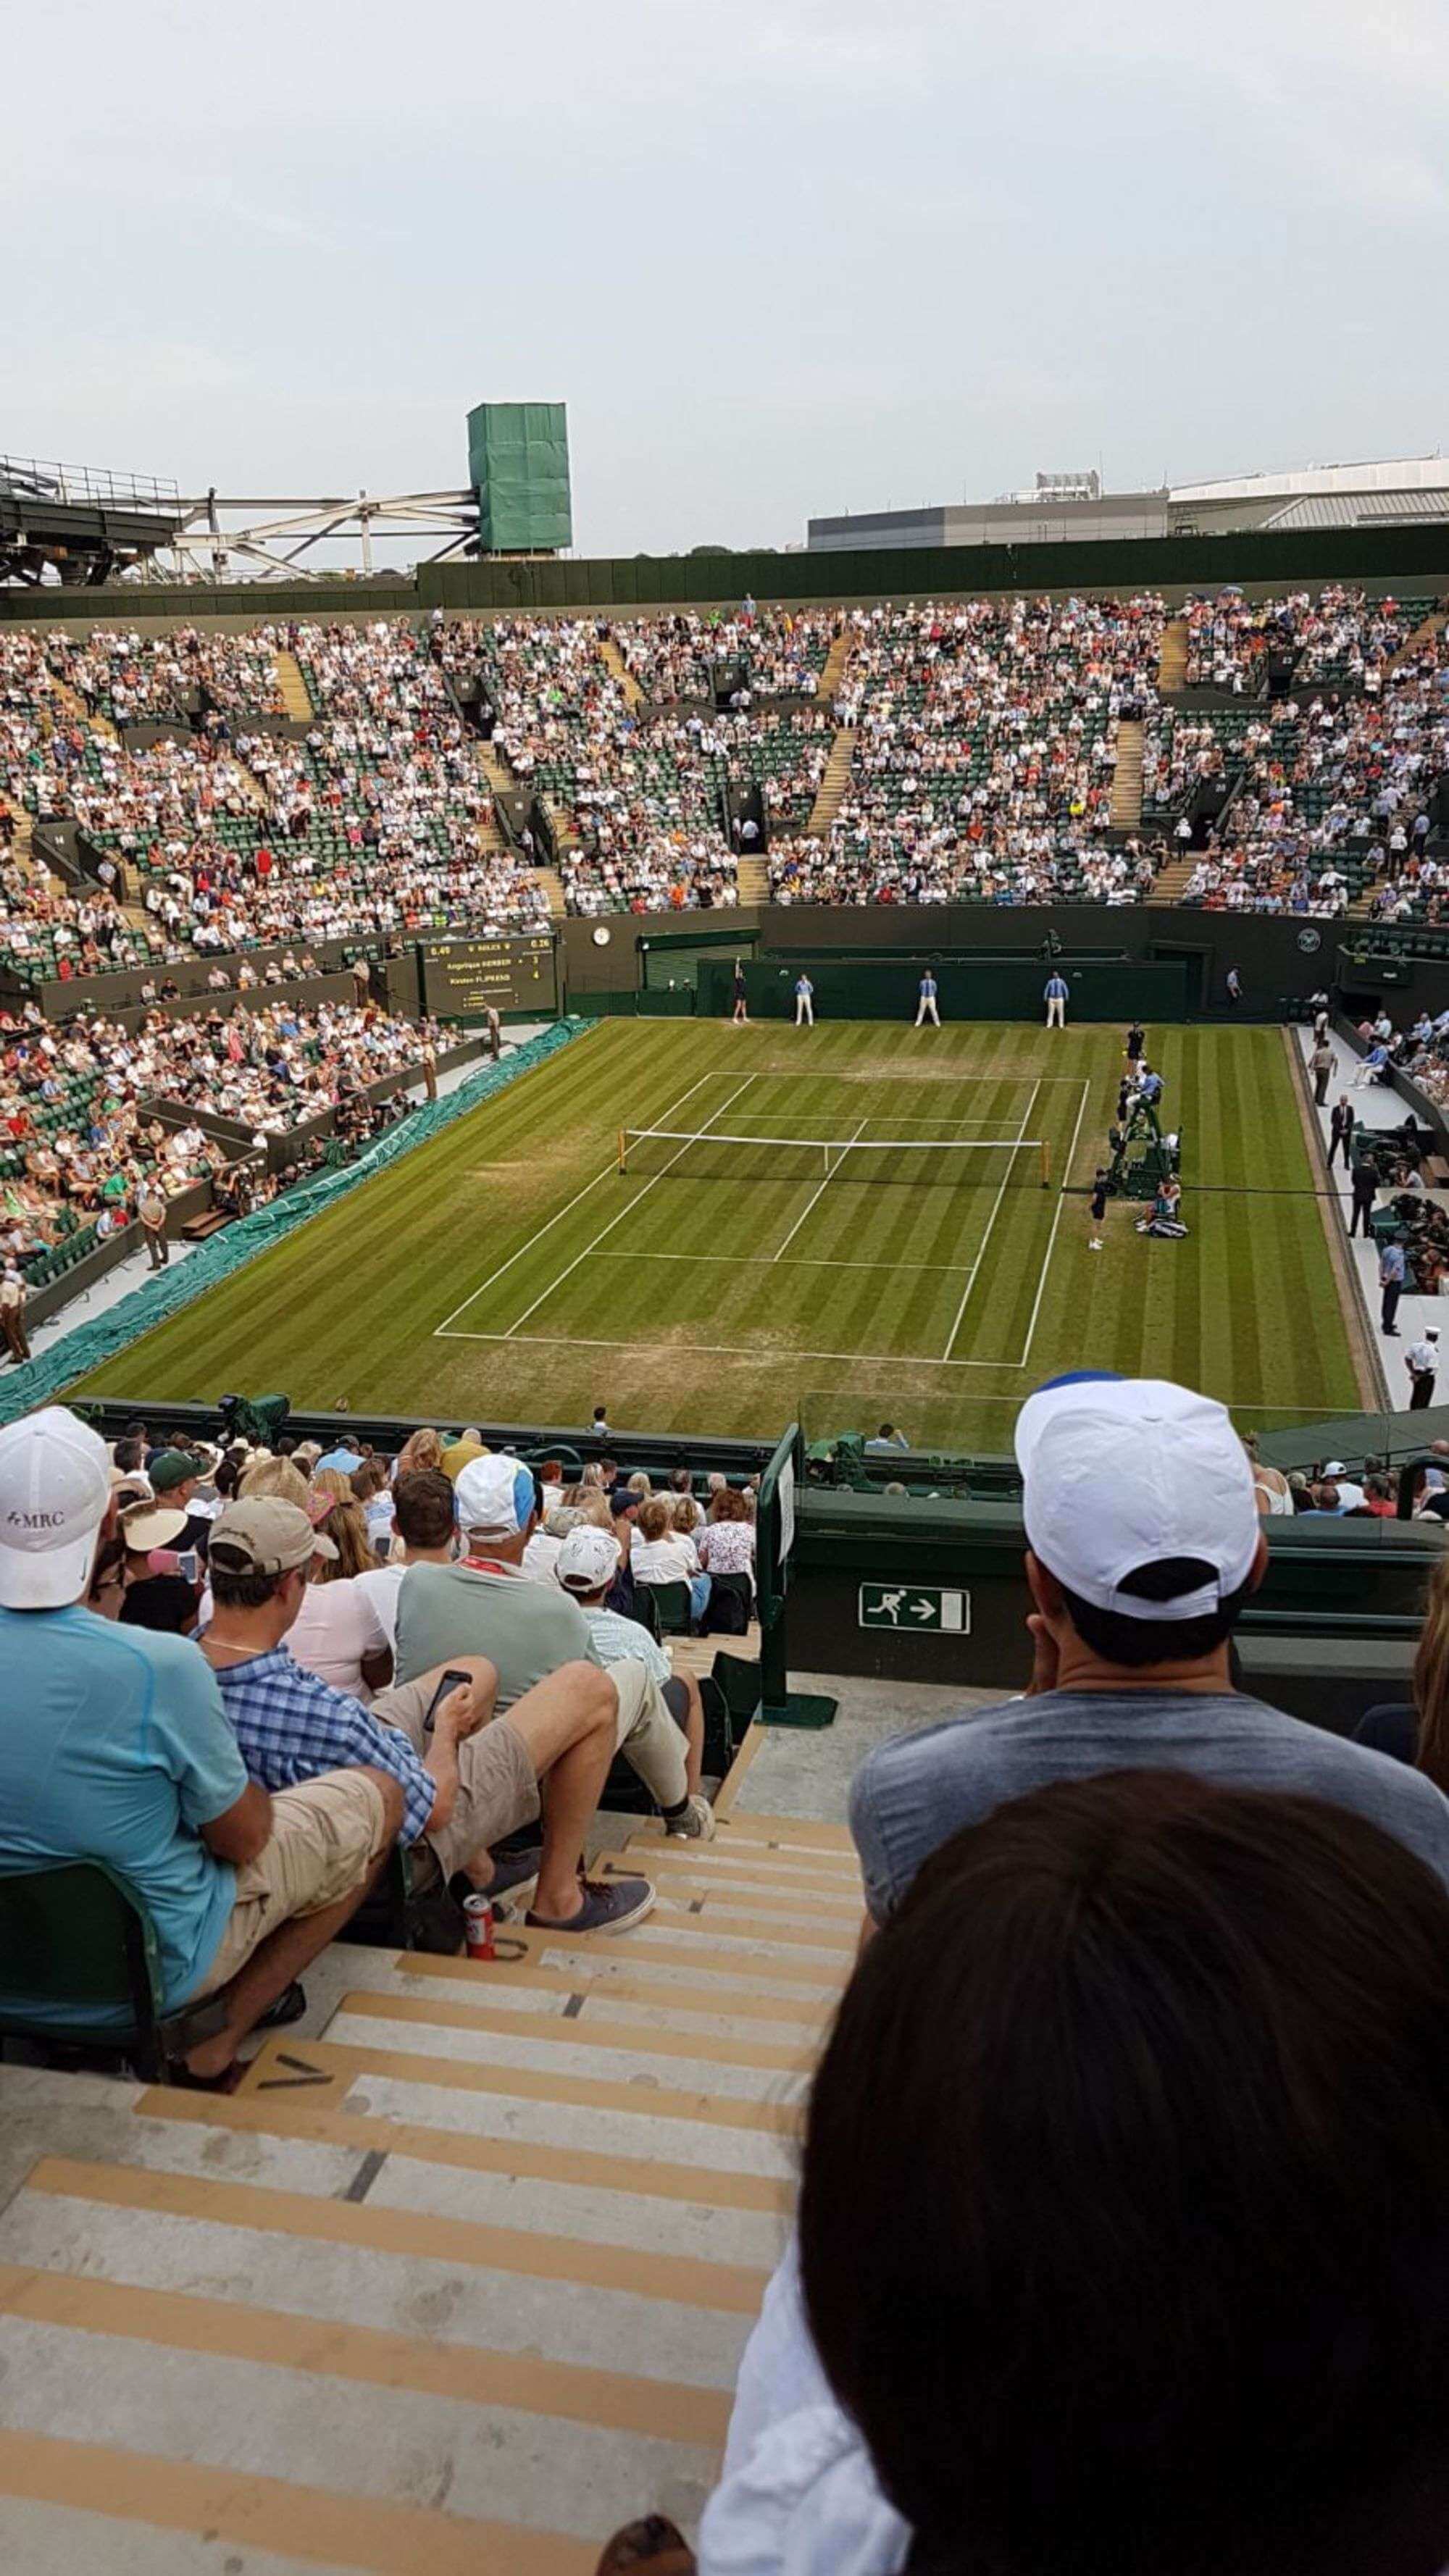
(478, 1927)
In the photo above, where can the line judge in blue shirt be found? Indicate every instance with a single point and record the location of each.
(926, 1006)
(115, 1747)
(1054, 994)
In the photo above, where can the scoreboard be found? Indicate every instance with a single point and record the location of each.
(462, 978)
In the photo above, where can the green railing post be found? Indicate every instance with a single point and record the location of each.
(774, 1546)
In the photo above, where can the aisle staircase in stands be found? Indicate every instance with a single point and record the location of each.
(551, 885)
(1432, 625)
(291, 682)
(1170, 880)
(833, 785)
(75, 707)
(836, 662)
(618, 669)
(752, 880)
(1126, 807)
(1172, 658)
(460, 2284)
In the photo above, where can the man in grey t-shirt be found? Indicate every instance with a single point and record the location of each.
(1143, 1546)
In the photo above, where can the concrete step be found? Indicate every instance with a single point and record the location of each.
(1168, 884)
(1126, 808)
(836, 663)
(291, 681)
(1172, 657)
(552, 885)
(752, 877)
(833, 785)
(619, 670)
(462, 2283)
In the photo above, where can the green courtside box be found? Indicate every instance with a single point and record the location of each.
(518, 464)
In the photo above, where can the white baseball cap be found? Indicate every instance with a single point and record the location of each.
(494, 1495)
(587, 1560)
(55, 1487)
(1126, 1472)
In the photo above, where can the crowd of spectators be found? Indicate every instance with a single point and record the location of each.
(80, 1138)
(984, 754)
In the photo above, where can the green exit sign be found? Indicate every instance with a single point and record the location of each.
(915, 1609)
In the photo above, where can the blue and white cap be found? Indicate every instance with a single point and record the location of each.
(495, 1497)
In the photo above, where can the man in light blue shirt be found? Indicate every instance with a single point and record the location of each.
(1054, 994)
(115, 1747)
(804, 1002)
(926, 1008)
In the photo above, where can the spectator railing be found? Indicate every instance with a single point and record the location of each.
(40, 478)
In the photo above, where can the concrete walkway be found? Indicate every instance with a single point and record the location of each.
(1378, 1109)
(460, 2278)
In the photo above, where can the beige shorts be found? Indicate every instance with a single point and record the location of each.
(497, 1790)
(326, 1834)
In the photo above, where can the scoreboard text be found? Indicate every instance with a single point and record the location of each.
(469, 976)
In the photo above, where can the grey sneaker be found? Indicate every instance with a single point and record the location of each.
(610, 1908)
(696, 1824)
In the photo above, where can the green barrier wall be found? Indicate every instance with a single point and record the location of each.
(167, 1291)
(1408, 558)
(1009, 989)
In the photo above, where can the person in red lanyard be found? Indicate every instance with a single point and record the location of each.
(535, 1632)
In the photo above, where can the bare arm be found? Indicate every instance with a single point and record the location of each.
(242, 1830)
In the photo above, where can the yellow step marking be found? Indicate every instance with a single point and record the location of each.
(525, 2084)
(776, 1833)
(720, 1895)
(369, 2355)
(362, 2533)
(731, 2002)
(682, 2279)
(439, 2014)
(372, 2134)
(741, 1873)
(688, 1954)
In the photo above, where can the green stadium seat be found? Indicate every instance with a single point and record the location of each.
(81, 1945)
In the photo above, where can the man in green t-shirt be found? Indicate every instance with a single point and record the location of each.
(485, 1605)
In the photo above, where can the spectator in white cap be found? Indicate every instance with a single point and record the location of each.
(115, 1747)
(1143, 1545)
(587, 1562)
(485, 1604)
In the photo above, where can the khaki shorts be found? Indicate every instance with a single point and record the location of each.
(647, 1735)
(497, 1790)
(326, 1834)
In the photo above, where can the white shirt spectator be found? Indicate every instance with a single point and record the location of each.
(336, 1626)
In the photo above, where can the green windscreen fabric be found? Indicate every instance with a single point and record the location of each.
(518, 463)
(167, 1291)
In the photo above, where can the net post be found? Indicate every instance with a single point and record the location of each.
(623, 1153)
(1046, 1163)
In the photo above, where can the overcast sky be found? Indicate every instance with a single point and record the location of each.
(810, 256)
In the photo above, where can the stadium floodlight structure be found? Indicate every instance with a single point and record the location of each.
(908, 1162)
(271, 539)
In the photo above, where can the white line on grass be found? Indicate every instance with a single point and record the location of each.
(815, 1194)
(797, 1261)
(543, 1299)
(990, 1224)
(607, 1174)
(1056, 1221)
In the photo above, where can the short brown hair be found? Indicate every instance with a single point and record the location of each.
(423, 1508)
(656, 1517)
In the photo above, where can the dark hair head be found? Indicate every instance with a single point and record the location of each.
(130, 1454)
(1142, 1642)
(235, 1588)
(1125, 2217)
(423, 1508)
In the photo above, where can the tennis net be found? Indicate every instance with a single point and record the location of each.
(658, 1153)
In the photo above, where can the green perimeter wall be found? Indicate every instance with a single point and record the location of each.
(1008, 989)
(1415, 558)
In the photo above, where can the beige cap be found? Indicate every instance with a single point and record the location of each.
(265, 1536)
(152, 1525)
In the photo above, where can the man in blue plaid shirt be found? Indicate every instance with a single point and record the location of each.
(465, 1782)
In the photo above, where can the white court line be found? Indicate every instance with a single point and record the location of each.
(543, 1299)
(797, 1261)
(815, 1194)
(1056, 1221)
(607, 1174)
(990, 1223)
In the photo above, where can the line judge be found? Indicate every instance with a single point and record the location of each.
(1054, 994)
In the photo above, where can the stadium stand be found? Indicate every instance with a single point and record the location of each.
(333, 779)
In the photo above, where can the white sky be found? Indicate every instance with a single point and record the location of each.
(809, 256)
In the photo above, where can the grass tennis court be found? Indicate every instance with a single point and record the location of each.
(862, 1232)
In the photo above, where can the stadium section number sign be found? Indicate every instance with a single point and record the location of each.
(915, 1609)
(469, 976)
